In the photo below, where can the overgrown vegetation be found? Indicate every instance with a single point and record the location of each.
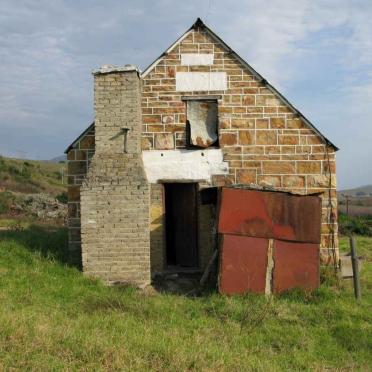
(6, 201)
(54, 318)
(359, 225)
(31, 176)
(62, 197)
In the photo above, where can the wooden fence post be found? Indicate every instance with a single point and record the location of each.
(355, 265)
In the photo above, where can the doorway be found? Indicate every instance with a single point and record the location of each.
(181, 224)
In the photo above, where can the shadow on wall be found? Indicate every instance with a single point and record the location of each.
(49, 241)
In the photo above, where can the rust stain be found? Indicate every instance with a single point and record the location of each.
(248, 220)
(243, 264)
(270, 215)
(296, 266)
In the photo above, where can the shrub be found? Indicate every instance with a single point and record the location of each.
(360, 225)
(62, 197)
(2, 164)
(6, 201)
(57, 175)
(13, 170)
(26, 173)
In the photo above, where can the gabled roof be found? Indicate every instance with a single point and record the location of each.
(199, 24)
(91, 126)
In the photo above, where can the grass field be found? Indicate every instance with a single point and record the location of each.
(53, 318)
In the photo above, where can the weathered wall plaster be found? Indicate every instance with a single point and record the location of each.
(193, 59)
(200, 81)
(203, 120)
(183, 165)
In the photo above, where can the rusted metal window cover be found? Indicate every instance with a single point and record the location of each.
(202, 116)
(266, 214)
(296, 265)
(243, 264)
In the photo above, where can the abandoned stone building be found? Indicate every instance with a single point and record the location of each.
(143, 178)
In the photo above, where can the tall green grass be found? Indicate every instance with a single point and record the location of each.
(54, 318)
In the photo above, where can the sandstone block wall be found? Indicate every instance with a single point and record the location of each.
(78, 160)
(264, 141)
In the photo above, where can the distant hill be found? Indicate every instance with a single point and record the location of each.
(57, 159)
(358, 191)
(32, 176)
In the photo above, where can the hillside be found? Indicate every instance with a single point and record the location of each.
(356, 202)
(57, 159)
(358, 191)
(31, 176)
(29, 188)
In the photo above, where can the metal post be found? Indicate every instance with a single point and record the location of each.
(354, 262)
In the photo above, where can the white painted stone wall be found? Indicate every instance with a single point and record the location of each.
(183, 165)
(193, 59)
(200, 81)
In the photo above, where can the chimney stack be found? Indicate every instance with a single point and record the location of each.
(115, 196)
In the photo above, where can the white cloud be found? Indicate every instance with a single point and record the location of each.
(273, 35)
(48, 48)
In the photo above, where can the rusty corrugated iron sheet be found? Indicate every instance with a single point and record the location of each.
(270, 241)
(202, 116)
(266, 214)
(296, 265)
(242, 264)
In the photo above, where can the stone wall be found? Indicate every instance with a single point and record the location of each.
(264, 141)
(79, 156)
(157, 233)
(115, 196)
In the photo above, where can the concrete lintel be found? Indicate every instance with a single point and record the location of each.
(107, 69)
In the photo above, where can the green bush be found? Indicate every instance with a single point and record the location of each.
(359, 225)
(62, 197)
(2, 164)
(13, 170)
(26, 172)
(6, 201)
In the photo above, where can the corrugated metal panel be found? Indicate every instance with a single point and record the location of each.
(243, 264)
(267, 214)
(249, 220)
(296, 265)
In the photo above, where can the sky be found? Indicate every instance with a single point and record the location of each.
(317, 53)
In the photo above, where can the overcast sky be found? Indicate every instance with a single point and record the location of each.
(317, 53)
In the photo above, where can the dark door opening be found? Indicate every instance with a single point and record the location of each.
(181, 224)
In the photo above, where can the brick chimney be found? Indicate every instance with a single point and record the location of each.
(115, 196)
